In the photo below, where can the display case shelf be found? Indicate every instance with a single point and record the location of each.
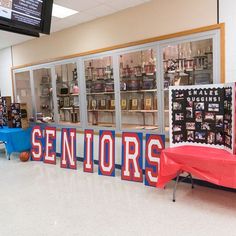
(70, 108)
(139, 91)
(137, 127)
(68, 95)
(140, 111)
(97, 110)
(101, 93)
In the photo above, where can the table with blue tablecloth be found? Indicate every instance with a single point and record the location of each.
(15, 139)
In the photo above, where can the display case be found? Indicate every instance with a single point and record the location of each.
(138, 90)
(23, 92)
(125, 89)
(43, 94)
(187, 63)
(100, 92)
(67, 86)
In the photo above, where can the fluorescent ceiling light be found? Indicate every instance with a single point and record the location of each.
(62, 12)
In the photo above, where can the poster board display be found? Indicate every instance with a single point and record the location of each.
(5, 106)
(202, 115)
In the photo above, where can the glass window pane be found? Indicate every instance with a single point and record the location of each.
(138, 90)
(189, 63)
(68, 93)
(23, 91)
(100, 92)
(43, 95)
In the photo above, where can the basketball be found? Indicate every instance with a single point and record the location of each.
(24, 156)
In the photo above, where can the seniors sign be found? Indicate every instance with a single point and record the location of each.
(44, 149)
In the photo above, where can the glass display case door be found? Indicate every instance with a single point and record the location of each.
(23, 92)
(100, 91)
(187, 61)
(68, 93)
(44, 90)
(139, 90)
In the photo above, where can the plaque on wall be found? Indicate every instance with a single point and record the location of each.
(123, 104)
(134, 104)
(148, 103)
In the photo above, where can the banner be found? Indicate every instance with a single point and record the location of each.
(44, 149)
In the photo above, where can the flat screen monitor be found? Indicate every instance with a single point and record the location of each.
(29, 17)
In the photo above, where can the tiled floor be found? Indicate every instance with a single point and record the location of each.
(38, 199)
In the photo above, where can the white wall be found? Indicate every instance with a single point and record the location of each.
(228, 15)
(5, 72)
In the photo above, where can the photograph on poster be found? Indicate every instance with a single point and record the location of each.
(177, 106)
(219, 121)
(190, 126)
(227, 140)
(214, 107)
(177, 128)
(227, 117)
(225, 104)
(198, 116)
(228, 92)
(205, 126)
(189, 112)
(179, 137)
(209, 116)
(189, 104)
(199, 106)
(219, 138)
(228, 128)
(179, 94)
(179, 116)
(190, 136)
(200, 135)
(211, 138)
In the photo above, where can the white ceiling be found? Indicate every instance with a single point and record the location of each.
(88, 10)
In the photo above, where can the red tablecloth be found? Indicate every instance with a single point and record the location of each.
(213, 165)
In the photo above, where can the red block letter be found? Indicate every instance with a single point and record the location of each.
(37, 148)
(50, 142)
(88, 151)
(132, 161)
(154, 146)
(106, 153)
(68, 147)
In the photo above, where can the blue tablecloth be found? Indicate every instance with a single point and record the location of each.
(16, 139)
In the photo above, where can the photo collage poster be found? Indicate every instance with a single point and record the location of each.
(202, 115)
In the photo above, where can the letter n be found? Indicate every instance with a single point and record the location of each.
(68, 148)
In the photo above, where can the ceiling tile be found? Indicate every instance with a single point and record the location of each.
(123, 4)
(61, 24)
(100, 10)
(79, 5)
